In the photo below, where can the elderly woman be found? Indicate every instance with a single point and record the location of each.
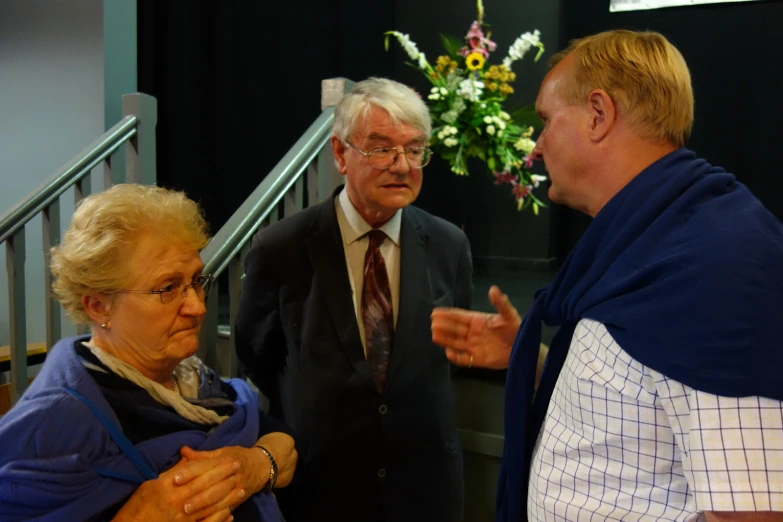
(126, 423)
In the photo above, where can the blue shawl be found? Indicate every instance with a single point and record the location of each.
(684, 266)
(51, 445)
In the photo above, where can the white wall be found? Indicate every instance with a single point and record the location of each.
(51, 107)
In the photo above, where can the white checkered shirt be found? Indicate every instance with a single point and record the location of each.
(623, 442)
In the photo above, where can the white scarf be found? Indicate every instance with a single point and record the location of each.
(187, 373)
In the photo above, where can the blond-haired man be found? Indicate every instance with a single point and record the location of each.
(660, 398)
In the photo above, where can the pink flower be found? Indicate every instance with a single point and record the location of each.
(477, 42)
(475, 31)
(528, 161)
(520, 191)
(465, 51)
(505, 177)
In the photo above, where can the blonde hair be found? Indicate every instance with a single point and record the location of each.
(645, 75)
(401, 102)
(103, 231)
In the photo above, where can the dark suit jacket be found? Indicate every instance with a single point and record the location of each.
(391, 457)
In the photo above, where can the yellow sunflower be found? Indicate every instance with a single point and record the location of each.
(474, 61)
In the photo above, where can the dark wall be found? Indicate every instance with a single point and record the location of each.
(734, 55)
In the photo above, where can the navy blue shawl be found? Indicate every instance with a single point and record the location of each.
(51, 445)
(684, 266)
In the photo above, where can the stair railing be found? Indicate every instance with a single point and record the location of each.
(306, 175)
(136, 132)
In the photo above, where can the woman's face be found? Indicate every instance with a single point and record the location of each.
(150, 335)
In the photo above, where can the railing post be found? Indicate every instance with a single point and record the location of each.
(312, 183)
(235, 271)
(140, 149)
(15, 257)
(108, 177)
(294, 198)
(81, 189)
(208, 336)
(332, 91)
(51, 238)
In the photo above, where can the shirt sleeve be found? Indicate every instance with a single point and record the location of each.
(733, 447)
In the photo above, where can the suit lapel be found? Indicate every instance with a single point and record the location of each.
(327, 255)
(414, 290)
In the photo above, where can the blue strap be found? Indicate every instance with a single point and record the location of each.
(119, 438)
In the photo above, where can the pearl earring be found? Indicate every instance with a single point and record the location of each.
(104, 326)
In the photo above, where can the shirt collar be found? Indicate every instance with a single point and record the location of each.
(358, 227)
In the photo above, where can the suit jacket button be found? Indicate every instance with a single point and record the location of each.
(383, 409)
(381, 473)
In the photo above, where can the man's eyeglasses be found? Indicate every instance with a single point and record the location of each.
(169, 293)
(384, 157)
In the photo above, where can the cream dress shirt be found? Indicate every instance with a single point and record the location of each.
(353, 229)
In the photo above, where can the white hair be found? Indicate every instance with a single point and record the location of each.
(401, 102)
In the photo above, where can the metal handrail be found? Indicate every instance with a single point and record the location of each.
(136, 134)
(78, 167)
(239, 229)
(306, 175)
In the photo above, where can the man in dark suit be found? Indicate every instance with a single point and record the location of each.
(334, 326)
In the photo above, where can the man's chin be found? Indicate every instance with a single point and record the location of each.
(555, 196)
(401, 199)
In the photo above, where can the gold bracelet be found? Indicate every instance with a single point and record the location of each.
(272, 467)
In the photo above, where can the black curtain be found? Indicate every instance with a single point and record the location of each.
(238, 83)
(734, 55)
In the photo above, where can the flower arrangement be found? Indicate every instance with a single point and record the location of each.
(466, 106)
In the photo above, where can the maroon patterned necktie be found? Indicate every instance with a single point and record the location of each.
(377, 310)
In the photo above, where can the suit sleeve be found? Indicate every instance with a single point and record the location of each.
(464, 283)
(260, 342)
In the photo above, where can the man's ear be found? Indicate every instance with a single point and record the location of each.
(98, 307)
(603, 114)
(339, 149)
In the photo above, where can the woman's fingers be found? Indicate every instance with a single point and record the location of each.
(214, 495)
(223, 515)
(234, 498)
(191, 454)
(203, 473)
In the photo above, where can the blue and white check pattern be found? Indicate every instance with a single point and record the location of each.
(623, 442)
